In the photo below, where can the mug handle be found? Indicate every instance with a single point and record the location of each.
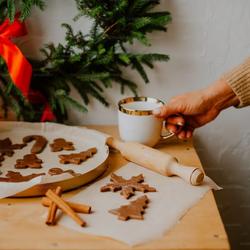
(167, 135)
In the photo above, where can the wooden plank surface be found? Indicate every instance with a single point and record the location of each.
(22, 224)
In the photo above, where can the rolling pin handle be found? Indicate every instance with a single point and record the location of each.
(197, 177)
(192, 175)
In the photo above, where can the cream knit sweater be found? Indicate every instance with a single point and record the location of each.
(239, 80)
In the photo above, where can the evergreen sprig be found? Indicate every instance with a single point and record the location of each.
(9, 8)
(90, 63)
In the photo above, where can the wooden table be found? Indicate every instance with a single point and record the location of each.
(22, 224)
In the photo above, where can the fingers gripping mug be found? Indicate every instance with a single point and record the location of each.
(137, 123)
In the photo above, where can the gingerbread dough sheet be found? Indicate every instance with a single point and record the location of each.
(82, 138)
(166, 206)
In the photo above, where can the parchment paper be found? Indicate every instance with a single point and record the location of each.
(82, 138)
(171, 201)
(9, 189)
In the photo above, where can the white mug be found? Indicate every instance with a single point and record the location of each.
(137, 123)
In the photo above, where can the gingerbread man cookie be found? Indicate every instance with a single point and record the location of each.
(13, 176)
(39, 145)
(29, 161)
(134, 210)
(77, 158)
(127, 187)
(7, 148)
(60, 144)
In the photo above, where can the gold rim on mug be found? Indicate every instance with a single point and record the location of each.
(137, 99)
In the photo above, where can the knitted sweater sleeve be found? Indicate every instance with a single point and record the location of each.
(239, 80)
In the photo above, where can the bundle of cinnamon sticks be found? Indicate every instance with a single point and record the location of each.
(54, 201)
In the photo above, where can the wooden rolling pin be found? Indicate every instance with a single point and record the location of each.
(156, 160)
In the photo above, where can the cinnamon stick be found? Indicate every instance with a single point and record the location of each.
(77, 207)
(64, 207)
(51, 218)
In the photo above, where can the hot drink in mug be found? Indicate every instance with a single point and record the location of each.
(136, 120)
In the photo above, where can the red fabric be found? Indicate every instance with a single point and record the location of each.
(19, 68)
(48, 115)
(36, 97)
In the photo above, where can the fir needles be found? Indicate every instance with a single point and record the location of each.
(94, 61)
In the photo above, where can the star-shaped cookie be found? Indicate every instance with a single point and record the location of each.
(127, 187)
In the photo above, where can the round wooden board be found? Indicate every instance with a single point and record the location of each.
(81, 137)
(66, 185)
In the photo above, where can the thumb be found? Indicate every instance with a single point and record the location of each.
(165, 111)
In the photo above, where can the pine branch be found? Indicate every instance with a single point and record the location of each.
(9, 8)
(126, 83)
(137, 65)
(62, 95)
(27, 5)
(93, 76)
(90, 63)
(5, 102)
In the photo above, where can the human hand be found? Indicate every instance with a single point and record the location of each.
(184, 113)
